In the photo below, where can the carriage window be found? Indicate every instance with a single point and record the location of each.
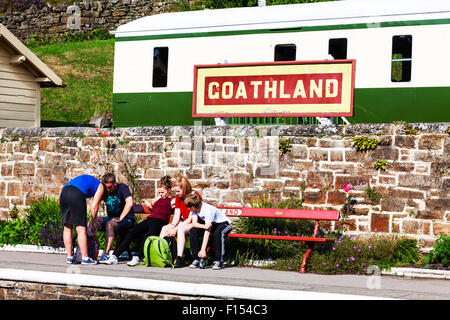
(338, 48)
(401, 58)
(285, 52)
(160, 59)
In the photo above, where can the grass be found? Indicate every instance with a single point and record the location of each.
(86, 68)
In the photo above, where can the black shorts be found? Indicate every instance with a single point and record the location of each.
(72, 203)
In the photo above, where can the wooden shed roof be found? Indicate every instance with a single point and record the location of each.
(21, 54)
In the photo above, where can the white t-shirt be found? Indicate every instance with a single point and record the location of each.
(209, 213)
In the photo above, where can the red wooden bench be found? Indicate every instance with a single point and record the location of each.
(316, 215)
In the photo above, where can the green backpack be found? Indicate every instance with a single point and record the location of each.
(157, 252)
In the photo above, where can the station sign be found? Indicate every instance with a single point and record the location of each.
(290, 89)
(231, 211)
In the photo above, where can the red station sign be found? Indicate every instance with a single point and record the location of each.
(317, 88)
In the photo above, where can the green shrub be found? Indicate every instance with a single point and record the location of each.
(76, 36)
(406, 251)
(440, 252)
(41, 226)
(44, 222)
(13, 232)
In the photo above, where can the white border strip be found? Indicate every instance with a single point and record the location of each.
(418, 273)
(72, 278)
(32, 248)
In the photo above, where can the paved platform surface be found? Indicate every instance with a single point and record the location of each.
(230, 282)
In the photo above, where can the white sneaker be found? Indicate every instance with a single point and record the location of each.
(103, 258)
(217, 265)
(134, 261)
(88, 260)
(112, 260)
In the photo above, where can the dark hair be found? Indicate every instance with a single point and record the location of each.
(108, 178)
(165, 183)
(193, 200)
(105, 193)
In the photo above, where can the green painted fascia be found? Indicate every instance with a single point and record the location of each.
(383, 105)
(154, 109)
(374, 105)
(298, 29)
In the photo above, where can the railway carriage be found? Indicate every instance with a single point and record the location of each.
(401, 49)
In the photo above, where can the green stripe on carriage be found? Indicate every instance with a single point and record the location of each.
(287, 30)
(378, 105)
(154, 109)
(384, 105)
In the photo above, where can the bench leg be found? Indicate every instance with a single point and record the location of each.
(306, 256)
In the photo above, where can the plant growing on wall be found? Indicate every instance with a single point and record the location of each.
(129, 167)
(284, 146)
(372, 195)
(348, 207)
(410, 130)
(365, 143)
(128, 164)
(380, 165)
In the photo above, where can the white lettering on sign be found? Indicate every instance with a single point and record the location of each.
(253, 91)
(231, 212)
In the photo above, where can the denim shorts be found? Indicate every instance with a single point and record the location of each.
(122, 226)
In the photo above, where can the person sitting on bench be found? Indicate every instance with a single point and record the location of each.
(206, 220)
(161, 210)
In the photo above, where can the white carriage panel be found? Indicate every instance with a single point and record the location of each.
(371, 47)
(430, 56)
(372, 51)
(185, 53)
(133, 62)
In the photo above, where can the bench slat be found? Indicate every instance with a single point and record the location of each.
(330, 215)
(274, 237)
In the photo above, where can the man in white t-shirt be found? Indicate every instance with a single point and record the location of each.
(207, 220)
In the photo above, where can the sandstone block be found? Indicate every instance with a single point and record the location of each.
(379, 222)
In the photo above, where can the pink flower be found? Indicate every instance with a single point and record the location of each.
(347, 187)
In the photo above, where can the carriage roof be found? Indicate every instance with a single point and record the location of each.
(286, 16)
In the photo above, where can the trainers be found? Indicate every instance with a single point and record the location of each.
(217, 265)
(70, 260)
(88, 260)
(134, 261)
(124, 255)
(112, 260)
(178, 262)
(202, 264)
(194, 264)
(103, 258)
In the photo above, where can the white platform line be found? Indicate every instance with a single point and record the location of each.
(74, 278)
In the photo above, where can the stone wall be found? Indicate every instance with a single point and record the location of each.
(82, 16)
(24, 290)
(233, 165)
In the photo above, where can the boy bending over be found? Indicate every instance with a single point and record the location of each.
(206, 220)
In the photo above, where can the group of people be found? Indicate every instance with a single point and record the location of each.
(186, 214)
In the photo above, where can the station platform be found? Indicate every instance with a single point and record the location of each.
(248, 283)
